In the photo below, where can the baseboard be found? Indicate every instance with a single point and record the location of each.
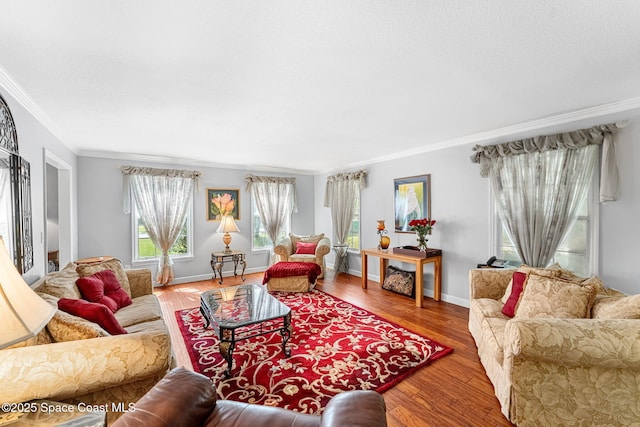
(427, 292)
(209, 276)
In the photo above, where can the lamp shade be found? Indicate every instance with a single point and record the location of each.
(22, 312)
(227, 225)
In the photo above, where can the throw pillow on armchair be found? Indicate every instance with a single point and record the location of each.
(304, 248)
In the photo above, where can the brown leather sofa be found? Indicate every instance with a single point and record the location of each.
(186, 398)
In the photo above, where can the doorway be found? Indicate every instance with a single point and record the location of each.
(58, 220)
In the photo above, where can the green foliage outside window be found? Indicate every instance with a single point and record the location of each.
(146, 248)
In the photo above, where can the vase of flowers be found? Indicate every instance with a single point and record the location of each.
(422, 227)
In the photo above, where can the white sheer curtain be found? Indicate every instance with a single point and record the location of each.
(275, 198)
(161, 196)
(537, 197)
(538, 184)
(340, 194)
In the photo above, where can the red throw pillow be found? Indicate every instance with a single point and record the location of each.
(93, 312)
(112, 288)
(92, 289)
(517, 286)
(103, 287)
(306, 248)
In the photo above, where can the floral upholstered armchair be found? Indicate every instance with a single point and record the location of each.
(310, 248)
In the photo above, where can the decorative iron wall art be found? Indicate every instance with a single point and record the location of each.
(16, 221)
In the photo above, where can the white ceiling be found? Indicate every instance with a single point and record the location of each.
(313, 85)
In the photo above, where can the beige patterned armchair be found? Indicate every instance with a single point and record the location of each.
(296, 248)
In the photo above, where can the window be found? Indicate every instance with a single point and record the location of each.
(261, 240)
(145, 250)
(577, 250)
(353, 238)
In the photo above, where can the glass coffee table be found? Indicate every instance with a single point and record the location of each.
(241, 312)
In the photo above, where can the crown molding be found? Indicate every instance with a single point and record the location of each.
(506, 132)
(21, 96)
(149, 158)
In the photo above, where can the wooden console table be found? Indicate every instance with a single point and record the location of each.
(417, 261)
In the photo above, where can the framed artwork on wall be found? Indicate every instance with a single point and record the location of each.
(222, 201)
(412, 200)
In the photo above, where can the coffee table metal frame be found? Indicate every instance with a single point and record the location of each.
(241, 312)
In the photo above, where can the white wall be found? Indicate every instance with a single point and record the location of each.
(460, 205)
(33, 139)
(106, 230)
(620, 220)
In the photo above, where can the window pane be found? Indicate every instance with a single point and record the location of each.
(260, 238)
(510, 254)
(583, 210)
(146, 250)
(573, 251)
(576, 239)
(353, 238)
(577, 263)
(506, 241)
(181, 247)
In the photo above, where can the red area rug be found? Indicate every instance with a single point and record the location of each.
(335, 347)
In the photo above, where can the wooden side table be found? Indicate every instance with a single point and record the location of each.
(93, 259)
(217, 261)
(435, 257)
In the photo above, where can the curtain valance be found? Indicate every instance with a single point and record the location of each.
(567, 140)
(340, 194)
(596, 135)
(359, 176)
(127, 171)
(172, 173)
(252, 180)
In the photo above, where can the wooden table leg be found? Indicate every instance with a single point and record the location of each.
(437, 279)
(419, 284)
(364, 269)
(383, 269)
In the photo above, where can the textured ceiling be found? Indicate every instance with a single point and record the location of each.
(312, 85)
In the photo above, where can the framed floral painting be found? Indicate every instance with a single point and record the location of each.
(412, 200)
(222, 201)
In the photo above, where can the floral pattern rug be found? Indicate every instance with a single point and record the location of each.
(335, 346)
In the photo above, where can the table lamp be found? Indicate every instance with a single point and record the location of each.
(22, 312)
(227, 225)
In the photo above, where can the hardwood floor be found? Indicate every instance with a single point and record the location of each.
(453, 391)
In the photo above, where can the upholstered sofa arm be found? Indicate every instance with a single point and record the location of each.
(323, 247)
(181, 397)
(140, 281)
(489, 282)
(611, 344)
(66, 369)
(186, 398)
(284, 248)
